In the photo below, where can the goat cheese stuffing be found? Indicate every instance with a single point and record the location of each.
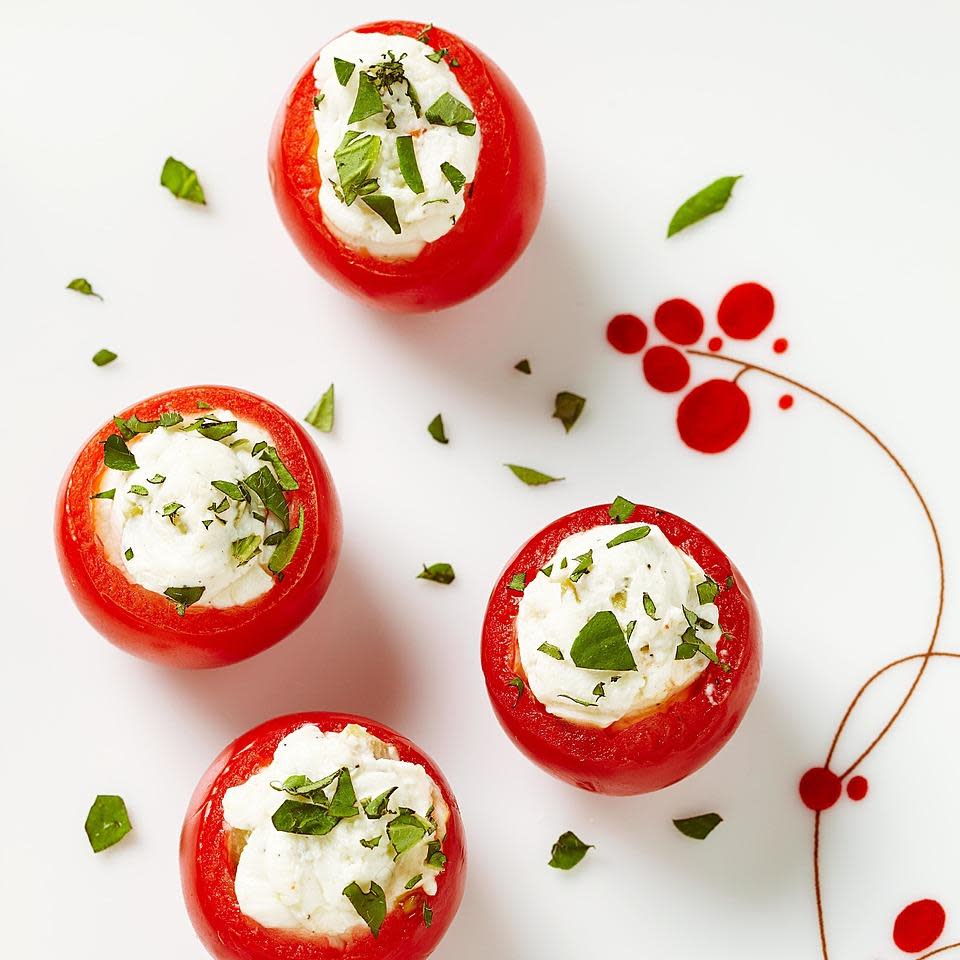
(167, 527)
(398, 143)
(373, 825)
(614, 625)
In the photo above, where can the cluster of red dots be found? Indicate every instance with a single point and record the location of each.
(714, 414)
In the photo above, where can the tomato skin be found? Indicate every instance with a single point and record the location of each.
(661, 747)
(502, 211)
(207, 875)
(145, 623)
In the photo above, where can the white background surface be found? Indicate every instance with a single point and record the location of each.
(841, 117)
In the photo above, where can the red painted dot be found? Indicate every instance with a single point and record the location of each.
(627, 333)
(857, 788)
(780, 345)
(820, 788)
(714, 344)
(666, 369)
(785, 402)
(679, 321)
(713, 416)
(919, 925)
(746, 311)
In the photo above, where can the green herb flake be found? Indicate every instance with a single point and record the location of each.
(344, 70)
(407, 157)
(621, 510)
(517, 685)
(83, 286)
(217, 431)
(531, 477)
(274, 538)
(629, 536)
(384, 207)
(710, 199)
(184, 597)
(102, 357)
(368, 102)
(170, 418)
(355, 158)
(435, 857)
(232, 490)
(437, 55)
(699, 827)
(547, 570)
(245, 549)
(116, 454)
(437, 572)
(465, 128)
(107, 822)
(203, 405)
(455, 178)
(265, 486)
(448, 111)
(405, 831)
(105, 494)
(584, 564)
(568, 851)
(156, 479)
(601, 645)
(371, 843)
(377, 807)
(707, 591)
(577, 700)
(318, 99)
(285, 478)
(518, 582)
(181, 181)
(343, 806)
(139, 490)
(427, 916)
(321, 414)
(303, 819)
(567, 408)
(628, 633)
(286, 548)
(523, 366)
(551, 651)
(413, 881)
(371, 906)
(649, 607)
(435, 429)
(128, 553)
(172, 509)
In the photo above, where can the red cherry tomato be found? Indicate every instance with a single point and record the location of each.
(662, 746)
(146, 623)
(208, 867)
(504, 201)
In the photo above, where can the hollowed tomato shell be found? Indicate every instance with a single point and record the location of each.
(662, 746)
(145, 623)
(503, 206)
(207, 869)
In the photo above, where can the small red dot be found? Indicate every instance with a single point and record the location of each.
(746, 311)
(857, 788)
(714, 344)
(919, 925)
(785, 402)
(666, 369)
(627, 333)
(820, 788)
(780, 345)
(680, 321)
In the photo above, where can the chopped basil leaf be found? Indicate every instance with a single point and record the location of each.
(370, 844)
(523, 366)
(343, 806)
(583, 703)
(217, 431)
(259, 446)
(181, 181)
(563, 564)
(170, 418)
(157, 478)
(83, 286)
(406, 831)
(628, 536)
(598, 691)
(709, 200)
(707, 591)
(424, 35)
(284, 476)
(305, 819)
(318, 99)
(621, 510)
(384, 207)
(116, 455)
(407, 157)
(437, 55)
(287, 547)
(105, 494)
(413, 881)
(547, 570)
(203, 405)
(245, 549)
(567, 408)
(355, 158)
(436, 200)
(238, 443)
(107, 822)
(232, 490)
(690, 645)
(601, 645)
(219, 507)
(699, 827)
(584, 563)
(531, 477)
(550, 650)
(274, 538)
(377, 807)
(437, 572)
(427, 915)
(206, 524)
(262, 517)
(321, 415)
(628, 633)
(568, 851)
(464, 127)
(453, 175)
(435, 858)
(448, 111)
(128, 553)
(519, 686)
(139, 490)
(102, 357)
(184, 597)
(371, 906)
(518, 582)
(435, 429)
(133, 425)
(368, 102)
(173, 508)
(344, 70)
(265, 486)
(649, 607)
(391, 121)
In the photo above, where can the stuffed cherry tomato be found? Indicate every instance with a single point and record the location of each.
(322, 836)
(406, 167)
(198, 528)
(621, 648)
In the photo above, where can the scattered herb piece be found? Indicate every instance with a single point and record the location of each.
(184, 597)
(547, 570)
(343, 806)
(629, 536)
(344, 70)
(245, 549)
(232, 490)
(437, 572)
(107, 822)
(424, 35)
(274, 538)
(377, 807)
(699, 827)
(170, 418)
(405, 831)
(157, 478)
(105, 494)
(519, 686)
(318, 99)
(304, 819)
(116, 454)
(370, 844)
(435, 857)
(568, 851)
(371, 906)
(285, 478)
(523, 366)
(598, 690)
(287, 547)
(265, 486)
(435, 429)
(707, 591)
(518, 582)
(649, 607)
(551, 651)
(709, 200)
(628, 633)
(413, 881)
(453, 175)
(384, 207)
(601, 645)
(437, 55)
(427, 916)
(181, 181)
(217, 431)
(83, 286)
(203, 405)
(102, 357)
(407, 157)
(583, 703)
(621, 510)
(567, 408)
(128, 553)
(368, 102)
(355, 158)
(465, 128)
(139, 490)
(321, 414)
(531, 477)
(448, 111)
(172, 509)
(584, 563)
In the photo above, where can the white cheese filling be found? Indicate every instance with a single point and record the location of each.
(159, 547)
(555, 609)
(296, 882)
(423, 217)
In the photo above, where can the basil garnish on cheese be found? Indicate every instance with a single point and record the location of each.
(370, 906)
(601, 645)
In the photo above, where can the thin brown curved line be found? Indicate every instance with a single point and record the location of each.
(933, 953)
(816, 884)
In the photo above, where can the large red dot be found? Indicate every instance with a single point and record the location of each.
(713, 416)
(919, 925)
(746, 311)
(857, 788)
(666, 369)
(679, 321)
(627, 333)
(820, 788)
